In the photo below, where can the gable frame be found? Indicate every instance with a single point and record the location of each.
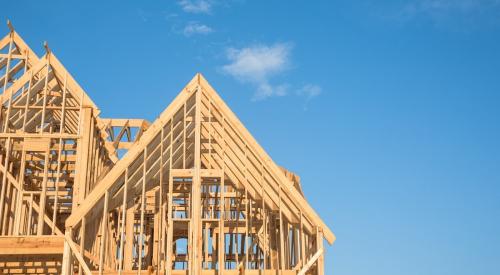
(288, 190)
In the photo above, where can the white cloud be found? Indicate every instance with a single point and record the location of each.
(196, 28)
(196, 6)
(309, 91)
(454, 15)
(258, 64)
(265, 90)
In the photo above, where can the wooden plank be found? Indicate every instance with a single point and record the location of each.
(143, 207)
(43, 195)
(123, 223)
(36, 144)
(10, 245)
(4, 181)
(196, 207)
(103, 235)
(120, 122)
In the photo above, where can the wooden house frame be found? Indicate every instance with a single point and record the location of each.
(190, 193)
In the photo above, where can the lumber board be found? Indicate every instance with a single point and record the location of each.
(10, 245)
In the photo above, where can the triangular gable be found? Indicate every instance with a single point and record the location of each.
(32, 80)
(50, 63)
(26, 74)
(225, 144)
(16, 57)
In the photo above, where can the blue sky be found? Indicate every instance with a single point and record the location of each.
(388, 110)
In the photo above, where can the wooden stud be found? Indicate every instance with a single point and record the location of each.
(43, 195)
(143, 207)
(123, 222)
(104, 225)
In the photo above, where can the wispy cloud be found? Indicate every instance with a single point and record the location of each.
(143, 15)
(196, 6)
(309, 91)
(193, 28)
(456, 11)
(464, 6)
(257, 64)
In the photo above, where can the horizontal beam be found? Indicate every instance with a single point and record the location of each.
(37, 135)
(31, 245)
(205, 272)
(120, 122)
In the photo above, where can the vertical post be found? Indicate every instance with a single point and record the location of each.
(296, 246)
(247, 216)
(9, 109)
(28, 98)
(129, 238)
(44, 105)
(43, 195)
(210, 133)
(82, 157)
(9, 196)
(302, 242)
(184, 123)
(4, 181)
(252, 234)
(196, 199)
(58, 176)
(24, 212)
(265, 221)
(282, 245)
(143, 202)
(104, 226)
(20, 193)
(80, 113)
(222, 214)
(124, 219)
(82, 240)
(222, 237)
(247, 208)
(170, 226)
(159, 217)
(12, 209)
(170, 231)
(66, 264)
(63, 112)
(155, 232)
(319, 246)
(264, 215)
(11, 43)
(90, 152)
(30, 214)
(237, 236)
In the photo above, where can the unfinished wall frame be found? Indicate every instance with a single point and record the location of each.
(191, 193)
